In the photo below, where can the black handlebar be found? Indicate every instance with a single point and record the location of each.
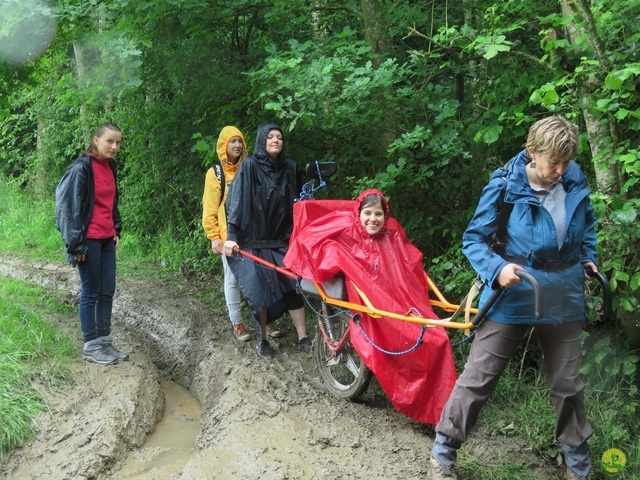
(537, 293)
(606, 288)
(318, 170)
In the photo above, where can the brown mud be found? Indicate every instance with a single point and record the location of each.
(194, 403)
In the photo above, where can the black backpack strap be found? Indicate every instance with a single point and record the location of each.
(220, 177)
(498, 239)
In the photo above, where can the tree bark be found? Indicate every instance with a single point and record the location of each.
(375, 34)
(81, 72)
(599, 131)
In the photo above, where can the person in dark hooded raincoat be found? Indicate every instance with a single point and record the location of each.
(358, 239)
(260, 220)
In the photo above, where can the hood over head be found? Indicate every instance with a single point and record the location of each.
(261, 141)
(226, 134)
(361, 197)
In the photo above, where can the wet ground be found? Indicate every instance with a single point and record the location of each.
(194, 403)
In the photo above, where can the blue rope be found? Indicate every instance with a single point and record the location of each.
(308, 188)
(464, 340)
(419, 342)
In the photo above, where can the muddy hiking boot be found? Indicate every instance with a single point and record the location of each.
(273, 332)
(304, 344)
(93, 351)
(570, 475)
(264, 349)
(440, 472)
(578, 461)
(240, 332)
(109, 349)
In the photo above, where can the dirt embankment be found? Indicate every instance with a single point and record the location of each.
(259, 419)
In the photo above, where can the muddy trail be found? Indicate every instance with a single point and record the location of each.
(194, 403)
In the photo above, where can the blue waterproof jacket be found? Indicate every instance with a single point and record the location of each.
(531, 237)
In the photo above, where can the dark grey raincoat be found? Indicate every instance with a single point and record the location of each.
(260, 219)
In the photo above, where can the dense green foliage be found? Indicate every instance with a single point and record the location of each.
(420, 99)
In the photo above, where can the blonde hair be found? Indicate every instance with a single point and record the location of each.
(555, 136)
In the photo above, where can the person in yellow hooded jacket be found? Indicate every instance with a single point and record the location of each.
(231, 149)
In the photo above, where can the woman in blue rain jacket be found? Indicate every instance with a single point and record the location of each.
(532, 241)
(542, 199)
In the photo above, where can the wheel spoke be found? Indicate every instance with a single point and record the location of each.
(353, 366)
(344, 375)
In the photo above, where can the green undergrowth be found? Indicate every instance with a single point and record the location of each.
(521, 409)
(27, 226)
(34, 353)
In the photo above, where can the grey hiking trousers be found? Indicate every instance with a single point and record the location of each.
(492, 348)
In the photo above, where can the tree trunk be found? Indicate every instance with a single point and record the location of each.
(81, 72)
(319, 25)
(601, 132)
(375, 34)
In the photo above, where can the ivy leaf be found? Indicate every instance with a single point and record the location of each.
(621, 276)
(616, 78)
(550, 98)
(273, 106)
(489, 134)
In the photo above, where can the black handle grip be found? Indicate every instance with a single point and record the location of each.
(537, 293)
(606, 288)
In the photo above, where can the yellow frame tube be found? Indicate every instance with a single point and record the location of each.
(374, 312)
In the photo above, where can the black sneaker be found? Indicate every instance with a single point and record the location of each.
(305, 344)
(264, 349)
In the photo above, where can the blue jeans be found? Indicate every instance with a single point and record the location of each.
(98, 279)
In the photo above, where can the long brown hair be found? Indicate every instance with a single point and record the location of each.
(92, 149)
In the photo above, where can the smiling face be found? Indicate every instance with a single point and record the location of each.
(234, 150)
(372, 218)
(108, 144)
(274, 144)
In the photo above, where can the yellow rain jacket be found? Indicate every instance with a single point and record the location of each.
(214, 219)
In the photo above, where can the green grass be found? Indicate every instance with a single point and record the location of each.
(34, 353)
(26, 226)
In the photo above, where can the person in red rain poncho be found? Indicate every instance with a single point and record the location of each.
(359, 240)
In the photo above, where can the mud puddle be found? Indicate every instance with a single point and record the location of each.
(168, 449)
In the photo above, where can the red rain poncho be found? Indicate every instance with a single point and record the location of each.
(328, 239)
